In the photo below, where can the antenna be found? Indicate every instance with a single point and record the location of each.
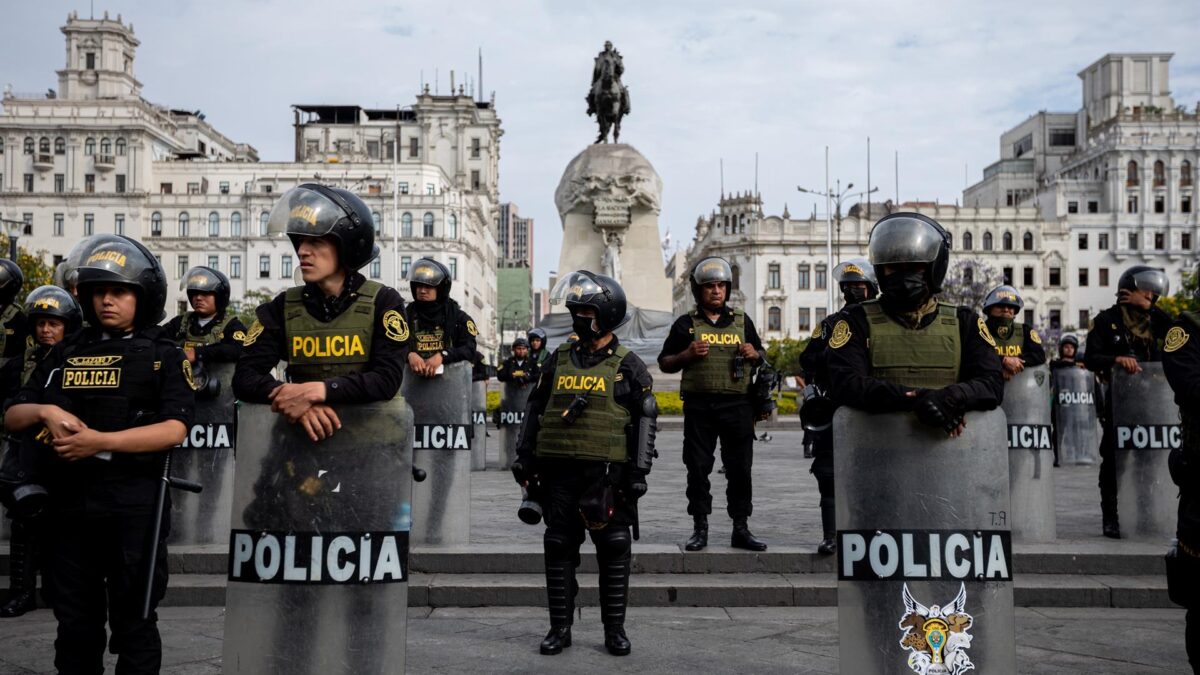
(868, 179)
(897, 178)
(756, 175)
(722, 178)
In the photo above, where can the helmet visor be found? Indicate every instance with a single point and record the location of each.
(904, 240)
(1155, 281)
(857, 269)
(426, 272)
(200, 280)
(574, 287)
(305, 212)
(712, 269)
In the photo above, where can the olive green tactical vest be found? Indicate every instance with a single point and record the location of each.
(599, 433)
(29, 364)
(316, 350)
(925, 358)
(1014, 344)
(6, 316)
(713, 374)
(430, 340)
(189, 340)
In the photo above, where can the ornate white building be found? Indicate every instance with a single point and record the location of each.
(94, 156)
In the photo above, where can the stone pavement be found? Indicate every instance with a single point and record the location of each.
(665, 640)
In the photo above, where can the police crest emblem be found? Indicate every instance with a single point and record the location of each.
(841, 335)
(1176, 338)
(394, 326)
(937, 637)
(471, 328)
(255, 331)
(986, 334)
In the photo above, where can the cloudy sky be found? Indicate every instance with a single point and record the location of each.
(936, 81)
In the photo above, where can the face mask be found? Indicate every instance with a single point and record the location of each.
(584, 327)
(1001, 325)
(854, 295)
(904, 291)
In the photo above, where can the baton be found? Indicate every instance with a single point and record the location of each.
(156, 530)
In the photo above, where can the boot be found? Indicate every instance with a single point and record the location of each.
(615, 641)
(614, 591)
(561, 590)
(556, 640)
(1112, 526)
(743, 538)
(699, 538)
(22, 573)
(828, 545)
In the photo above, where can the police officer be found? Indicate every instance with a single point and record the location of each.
(907, 352)
(105, 403)
(441, 332)
(716, 347)
(856, 278)
(342, 335)
(587, 442)
(1018, 345)
(53, 314)
(1181, 363)
(520, 368)
(1122, 335)
(11, 316)
(1067, 348)
(209, 333)
(537, 345)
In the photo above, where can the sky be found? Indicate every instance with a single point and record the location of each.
(710, 82)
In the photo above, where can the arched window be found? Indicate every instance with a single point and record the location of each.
(263, 219)
(1160, 174)
(1007, 241)
(1131, 173)
(184, 222)
(214, 224)
(44, 145)
(89, 146)
(60, 146)
(406, 225)
(774, 319)
(968, 241)
(29, 145)
(235, 224)
(987, 241)
(1185, 173)
(105, 146)
(1027, 241)
(156, 224)
(737, 277)
(452, 226)
(120, 147)
(378, 222)
(427, 225)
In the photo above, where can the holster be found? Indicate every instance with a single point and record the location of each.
(597, 505)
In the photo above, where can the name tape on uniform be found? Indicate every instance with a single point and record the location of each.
(917, 555)
(210, 436)
(442, 437)
(1029, 437)
(1150, 437)
(318, 558)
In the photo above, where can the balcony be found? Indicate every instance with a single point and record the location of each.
(105, 162)
(43, 161)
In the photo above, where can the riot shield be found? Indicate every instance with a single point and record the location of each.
(478, 425)
(318, 549)
(1146, 427)
(1030, 456)
(1076, 424)
(441, 408)
(206, 457)
(509, 417)
(924, 551)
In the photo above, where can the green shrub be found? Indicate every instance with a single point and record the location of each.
(669, 403)
(493, 402)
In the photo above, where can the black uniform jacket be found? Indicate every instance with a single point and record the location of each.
(225, 351)
(813, 366)
(15, 332)
(461, 335)
(1109, 339)
(264, 348)
(682, 334)
(506, 372)
(980, 385)
(1181, 363)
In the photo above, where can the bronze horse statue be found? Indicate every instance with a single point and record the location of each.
(608, 99)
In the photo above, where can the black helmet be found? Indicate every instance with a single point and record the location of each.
(201, 279)
(1143, 277)
(67, 273)
(56, 303)
(1003, 295)
(429, 272)
(912, 238)
(313, 210)
(11, 279)
(586, 289)
(709, 270)
(536, 333)
(1069, 340)
(856, 270)
(126, 262)
(520, 342)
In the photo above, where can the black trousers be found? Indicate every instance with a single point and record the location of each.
(1108, 471)
(822, 470)
(1192, 638)
(96, 563)
(733, 426)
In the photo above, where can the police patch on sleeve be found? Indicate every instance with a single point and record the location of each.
(985, 334)
(841, 335)
(239, 336)
(471, 328)
(187, 373)
(1176, 338)
(394, 326)
(255, 330)
(1033, 335)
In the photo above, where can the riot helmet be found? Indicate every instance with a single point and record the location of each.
(313, 210)
(856, 270)
(126, 262)
(55, 303)
(202, 279)
(520, 342)
(587, 289)
(536, 334)
(429, 272)
(1145, 278)
(711, 270)
(1069, 340)
(11, 280)
(911, 238)
(66, 275)
(1003, 296)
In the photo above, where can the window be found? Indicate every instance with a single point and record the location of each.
(58, 224)
(264, 219)
(285, 265)
(821, 275)
(454, 269)
(119, 223)
(1027, 277)
(1028, 314)
(223, 187)
(235, 267)
(429, 189)
(120, 183)
(805, 320)
(89, 224)
(1023, 146)
(181, 266)
(377, 221)
(1160, 174)
(1185, 241)
(156, 224)
(214, 261)
(1055, 277)
(406, 225)
(373, 149)
(968, 241)
(164, 188)
(475, 148)
(89, 60)
(773, 275)
(1083, 241)
(235, 224)
(1160, 241)
(1093, 207)
(968, 275)
(414, 146)
(1, 146)
(403, 188)
(264, 267)
(802, 275)
(121, 147)
(1131, 204)
(452, 226)
(1102, 277)
(1056, 319)
(29, 145)
(214, 224)
(774, 319)
(427, 225)
(28, 218)
(1007, 241)
(405, 263)
(193, 188)
(1133, 241)
(89, 146)
(1131, 174)
(89, 182)
(1083, 276)
(1102, 241)
(184, 222)
(44, 145)
(1185, 174)
(376, 269)
(821, 313)
(29, 182)
(312, 147)
(1160, 204)
(1072, 207)
(737, 277)
(1185, 204)
(1007, 273)
(105, 146)
(987, 241)
(268, 189)
(475, 183)
(1062, 138)
(1084, 318)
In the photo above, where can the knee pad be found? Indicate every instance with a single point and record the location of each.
(612, 542)
(557, 544)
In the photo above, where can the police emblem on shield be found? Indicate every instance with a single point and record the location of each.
(1040, 377)
(937, 637)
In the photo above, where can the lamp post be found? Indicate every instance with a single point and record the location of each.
(13, 228)
(838, 195)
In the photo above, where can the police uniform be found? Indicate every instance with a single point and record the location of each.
(16, 329)
(1181, 363)
(442, 327)
(816, 371)
(218, 340)
(518, 371)
(1018, 340)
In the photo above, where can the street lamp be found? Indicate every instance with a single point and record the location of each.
(14, 229)
(838, 195)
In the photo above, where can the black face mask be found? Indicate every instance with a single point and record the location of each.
(1001, 325)
(583, 327)
(854, 295)
(904, 291)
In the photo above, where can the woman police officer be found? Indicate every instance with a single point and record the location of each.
(104, 404)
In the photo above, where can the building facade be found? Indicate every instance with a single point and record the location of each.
(514, 237)
(94, 156)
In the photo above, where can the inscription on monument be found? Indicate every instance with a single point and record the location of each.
(612, 211)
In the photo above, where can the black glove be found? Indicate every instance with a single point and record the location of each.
(936, 410)
(635, 484)
(522, 470)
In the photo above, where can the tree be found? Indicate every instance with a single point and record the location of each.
(1184, 299)
(784, 354)
(36, 272)
(968, 282)
(244, 307)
